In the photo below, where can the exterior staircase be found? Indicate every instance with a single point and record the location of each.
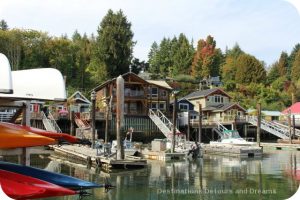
(275, 128)
(81, 123)
(50, 123)
(162, 122)
(220, 129)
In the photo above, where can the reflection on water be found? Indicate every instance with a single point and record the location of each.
(213, 177)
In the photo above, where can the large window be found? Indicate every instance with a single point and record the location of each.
(183, 106)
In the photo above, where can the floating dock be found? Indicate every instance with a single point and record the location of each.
(281, 146)
(89, 157)
(163, 156)
(233, 150)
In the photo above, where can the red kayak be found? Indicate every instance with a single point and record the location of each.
(53, 135)
(18, 186)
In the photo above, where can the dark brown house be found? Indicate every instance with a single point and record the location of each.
(139, 95)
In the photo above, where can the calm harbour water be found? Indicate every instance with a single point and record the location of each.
(211, 177)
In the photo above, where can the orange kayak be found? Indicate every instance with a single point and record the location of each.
(53, 135)
(14, 137)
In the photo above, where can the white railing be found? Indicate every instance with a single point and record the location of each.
(6, 116)
(270, 127)
(162, 122)
(49, 123)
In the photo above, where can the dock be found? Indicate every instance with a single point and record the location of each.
(233, 150)
(90, 157)
(281, 146)
(163, 156)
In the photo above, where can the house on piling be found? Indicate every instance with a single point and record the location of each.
(217, 107)
(139, 96)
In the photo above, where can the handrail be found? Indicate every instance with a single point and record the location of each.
(50, 120)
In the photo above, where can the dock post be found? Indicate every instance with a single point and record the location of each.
(93, 98)
(290, 124)
(106, 121)
(174, 122)
(294, 129)
(258, 123)
(72, 128)
(120, 116)
(200, 123)
(188, 126)
(25, 156)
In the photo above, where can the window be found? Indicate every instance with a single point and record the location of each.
(162, 106)
(154, 92)
(154, 106)
(218, 99)
(183, 106)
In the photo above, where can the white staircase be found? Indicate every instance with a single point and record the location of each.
(50, 123)
(275, 128)
(162, 122)
(220, 129)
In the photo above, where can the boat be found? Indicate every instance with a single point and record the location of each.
(5, 75)
(51, 177)
(61, 137)
(232, 137)
(31, 84)
(18, 186)
(16, 138)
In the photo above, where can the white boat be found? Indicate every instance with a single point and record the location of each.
(129, 147)
(42, 84)
(232, 137)
(5, 75)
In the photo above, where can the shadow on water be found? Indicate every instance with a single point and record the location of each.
(274, 176)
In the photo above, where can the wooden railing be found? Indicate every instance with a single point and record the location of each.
(223, 119)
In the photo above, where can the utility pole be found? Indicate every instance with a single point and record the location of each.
(93, 112)
(290, 126)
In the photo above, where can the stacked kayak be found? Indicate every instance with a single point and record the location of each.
(18, 186)
(53, 135)
(15, 137)
(51, 177)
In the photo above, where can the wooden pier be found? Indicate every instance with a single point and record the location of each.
(89, 156)
(233, 150)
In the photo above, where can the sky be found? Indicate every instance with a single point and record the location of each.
(263, 28)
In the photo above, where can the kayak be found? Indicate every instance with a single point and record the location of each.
(19, 186)
(51, 177)
(57, 136)
(14, 138)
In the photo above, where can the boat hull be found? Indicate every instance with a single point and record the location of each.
(51, 177)
(16, 138)
(19, 186)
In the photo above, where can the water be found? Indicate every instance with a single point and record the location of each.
(213, 177)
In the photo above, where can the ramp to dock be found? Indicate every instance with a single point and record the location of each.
(275, 128)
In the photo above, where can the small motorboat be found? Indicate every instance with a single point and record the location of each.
(18, 186)
(232, 137)
(15, 138)
(51, 177)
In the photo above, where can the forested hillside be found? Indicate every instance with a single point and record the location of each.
(88, 60)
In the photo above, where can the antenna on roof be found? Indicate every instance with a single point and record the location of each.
(130, 68)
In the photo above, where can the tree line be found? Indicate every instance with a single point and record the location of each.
(87, 61)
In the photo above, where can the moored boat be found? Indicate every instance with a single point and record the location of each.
(16, 138)
(19, 186)
(51, 177)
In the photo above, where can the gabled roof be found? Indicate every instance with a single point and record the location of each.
(82, 98)
(295, 109)
(205, 93)
(161, 84)
(179, 100)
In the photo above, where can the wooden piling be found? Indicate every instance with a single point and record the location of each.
(120, 116)
(200, 124)
(258, 124)
(174, 122)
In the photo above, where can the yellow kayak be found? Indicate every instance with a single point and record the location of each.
(11, 137)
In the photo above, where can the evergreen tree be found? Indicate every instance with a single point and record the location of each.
(283, 64)
(3, 25)
(249, 70)
(273, 73)
(295, 73)
(114, 43)
(153, 58)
